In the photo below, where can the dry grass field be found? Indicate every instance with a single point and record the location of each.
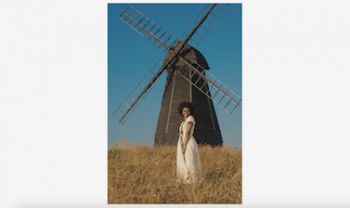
(141, 174)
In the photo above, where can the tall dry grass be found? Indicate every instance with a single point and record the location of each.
(142, 174)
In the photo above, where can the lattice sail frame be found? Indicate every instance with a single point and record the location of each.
(213, 18)
(227, 99)
(148, 28)
(131, 98)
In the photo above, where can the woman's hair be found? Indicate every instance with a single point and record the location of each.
(186, 104)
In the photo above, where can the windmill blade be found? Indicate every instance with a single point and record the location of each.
(148, 28)
(138, 93)
(200, 23)
(209, 85)
(213, 18)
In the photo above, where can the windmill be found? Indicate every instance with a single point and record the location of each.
(187, 79)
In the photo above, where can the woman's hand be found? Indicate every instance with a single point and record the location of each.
(183, 147)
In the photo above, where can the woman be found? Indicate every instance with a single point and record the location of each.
(188, 161)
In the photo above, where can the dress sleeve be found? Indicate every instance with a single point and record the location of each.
(191, 119)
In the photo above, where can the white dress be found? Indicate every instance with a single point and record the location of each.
(188, 164)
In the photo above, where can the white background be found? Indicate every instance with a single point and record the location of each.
(53, 109)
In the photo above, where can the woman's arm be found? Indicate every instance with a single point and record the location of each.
(187, 134)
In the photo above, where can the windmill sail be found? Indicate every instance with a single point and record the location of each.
(212, 87)
(213, 18)
(148, 28)
(138, 93)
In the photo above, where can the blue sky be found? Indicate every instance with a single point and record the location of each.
(130, 55)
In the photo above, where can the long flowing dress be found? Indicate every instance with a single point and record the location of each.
(188, 164)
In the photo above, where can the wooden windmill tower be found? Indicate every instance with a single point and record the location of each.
(187, 80)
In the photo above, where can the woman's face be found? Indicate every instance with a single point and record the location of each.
(186, 112)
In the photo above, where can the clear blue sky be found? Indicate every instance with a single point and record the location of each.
(130, 55)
